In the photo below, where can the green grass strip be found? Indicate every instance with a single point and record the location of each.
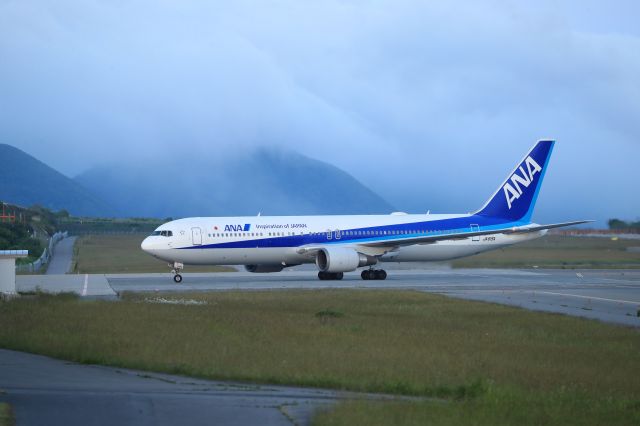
(476, 355)
(6, 415)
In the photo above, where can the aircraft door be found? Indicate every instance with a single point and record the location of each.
(475, 228)
(196, 236)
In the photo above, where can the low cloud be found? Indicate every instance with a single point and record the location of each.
(430, 104)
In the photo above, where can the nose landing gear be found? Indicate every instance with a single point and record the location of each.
(176, 268)
(374, 274)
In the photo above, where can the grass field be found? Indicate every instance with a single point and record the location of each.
(6, 415)
(556, 251)
(491, 364)
(121, 253)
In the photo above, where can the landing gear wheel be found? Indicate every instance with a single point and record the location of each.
(176, 267)
(373, 274)
(380, 274)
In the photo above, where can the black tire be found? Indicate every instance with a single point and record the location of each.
(381, 274)
(177, 278)
(322, 276)
(364, 274)
(338, 276)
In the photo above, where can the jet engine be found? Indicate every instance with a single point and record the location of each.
(342, 259)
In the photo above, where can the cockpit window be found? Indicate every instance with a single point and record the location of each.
(163, 233)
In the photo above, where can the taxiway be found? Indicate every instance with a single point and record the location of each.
(606, 295)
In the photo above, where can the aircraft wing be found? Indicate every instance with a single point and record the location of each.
(461, 235)
(382, 246)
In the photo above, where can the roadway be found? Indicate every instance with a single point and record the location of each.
(62, 256)
(46, 391)
(606, 295)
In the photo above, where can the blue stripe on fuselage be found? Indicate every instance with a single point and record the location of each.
(395, 232)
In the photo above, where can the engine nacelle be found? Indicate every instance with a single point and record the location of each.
(342, 259)
(263, 268)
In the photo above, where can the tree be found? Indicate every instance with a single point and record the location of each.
(617, 224)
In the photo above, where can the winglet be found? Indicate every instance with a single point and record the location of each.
(515, 199)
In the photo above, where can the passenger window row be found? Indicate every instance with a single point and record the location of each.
(391, 232)
(284, 234)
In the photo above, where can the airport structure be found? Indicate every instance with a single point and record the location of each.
(8, 270)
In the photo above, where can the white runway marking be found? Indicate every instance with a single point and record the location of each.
(86, 283)
(590, 297)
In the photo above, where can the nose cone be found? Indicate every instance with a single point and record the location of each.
(146, 245)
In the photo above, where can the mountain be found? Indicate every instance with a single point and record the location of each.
(267, 181)
(26, 181)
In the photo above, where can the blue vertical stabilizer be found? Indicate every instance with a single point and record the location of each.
(515, 198)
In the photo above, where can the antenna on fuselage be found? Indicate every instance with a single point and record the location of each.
(259, 213)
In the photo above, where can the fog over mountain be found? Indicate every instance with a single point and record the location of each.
(429, 104)
(267, 181)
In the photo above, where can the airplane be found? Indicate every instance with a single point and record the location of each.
(344, 243)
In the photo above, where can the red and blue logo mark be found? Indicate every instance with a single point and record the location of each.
(235, 228)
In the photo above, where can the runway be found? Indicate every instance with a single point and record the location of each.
(607, 295)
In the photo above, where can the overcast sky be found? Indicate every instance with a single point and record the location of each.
(429, 103)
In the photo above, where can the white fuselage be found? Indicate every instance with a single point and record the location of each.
(278, 240)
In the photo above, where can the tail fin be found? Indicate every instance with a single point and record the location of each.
(516, 197)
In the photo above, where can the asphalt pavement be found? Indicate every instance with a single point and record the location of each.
(46, 391)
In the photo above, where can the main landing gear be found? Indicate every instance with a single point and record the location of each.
(330, 275)
(176, 268)
(374, 274)
(367, 274)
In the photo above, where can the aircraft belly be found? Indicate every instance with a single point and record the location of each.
(435, 252)
(233, 256)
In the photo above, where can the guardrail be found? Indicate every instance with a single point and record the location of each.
(45, 257)
(117, 232)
